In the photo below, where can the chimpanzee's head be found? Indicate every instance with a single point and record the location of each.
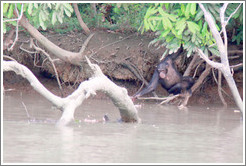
(163, 67)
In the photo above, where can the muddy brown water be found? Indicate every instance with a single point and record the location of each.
(166, 134)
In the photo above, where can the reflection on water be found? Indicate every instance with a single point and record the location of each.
(166, 134)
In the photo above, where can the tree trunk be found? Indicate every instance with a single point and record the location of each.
(222, 46)
(233, 87)
(81, 22)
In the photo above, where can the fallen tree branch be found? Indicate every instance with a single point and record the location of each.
(98, 82)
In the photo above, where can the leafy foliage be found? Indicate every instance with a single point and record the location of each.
(40, 14)
(177, 24)
(122, 15)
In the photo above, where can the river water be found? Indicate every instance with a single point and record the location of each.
(166, 134)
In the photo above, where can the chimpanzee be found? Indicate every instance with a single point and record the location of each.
(168, 76)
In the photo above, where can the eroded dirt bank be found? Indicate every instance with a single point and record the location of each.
(122, 57)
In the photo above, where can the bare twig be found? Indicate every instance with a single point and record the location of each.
(164, 99)
(169, 98)
(51, 61)
(17, 26)
(235, 51)
(237, 65)
(28, 115)
(232, 14)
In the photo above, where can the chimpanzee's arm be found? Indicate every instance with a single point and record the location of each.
(151, 86)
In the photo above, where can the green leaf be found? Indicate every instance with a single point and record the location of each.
(162, 12)
(69, 7)
(172, 17)
(42, 24)
(166, 23)
(204, 29)
(193, 8)
(164, 54)
(187, 11)
(193, 39)
(166, 5)
(182, 8)
(14, 23)
(35, 5)
(59, 16)
(193, 27)
(218, 28)
(179, 36)
(169, 38)
(5, 7)
(150, 12)
(151, 26)
(30, 7)
(146, 25)
(198, 15)
(214, 51)
(186, 38)
(151, 18)
(57, 6)
(153, 42)
(4, 28)
(49, 5)
(165, 33)
(189, 52)
(181, 24)
(53, 20)
(10, 11)
(41, 16)
(200, 24)
(68, 13)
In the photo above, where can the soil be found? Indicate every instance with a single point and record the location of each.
(117, 54)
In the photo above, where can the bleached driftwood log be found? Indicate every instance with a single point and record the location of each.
(98, 82)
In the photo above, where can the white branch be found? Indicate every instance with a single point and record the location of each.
(211, 63)
(98, 82)
(233, 13)
(223, 24)
(26, 73)
(17, 26)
